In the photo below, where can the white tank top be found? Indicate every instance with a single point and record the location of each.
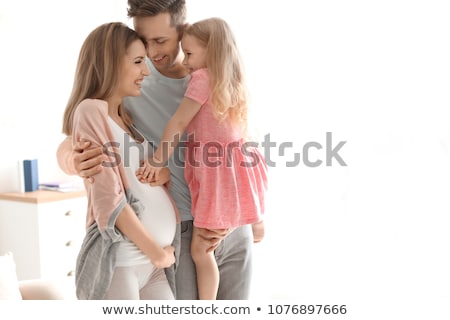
(158, 215)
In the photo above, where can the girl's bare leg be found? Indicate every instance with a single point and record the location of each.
(206, 268)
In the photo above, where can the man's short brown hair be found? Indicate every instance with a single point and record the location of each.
(151, 8)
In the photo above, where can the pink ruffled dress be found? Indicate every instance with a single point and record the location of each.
(227, 176)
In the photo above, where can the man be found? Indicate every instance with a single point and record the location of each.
(161, 23)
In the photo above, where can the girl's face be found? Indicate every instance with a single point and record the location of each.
(194, 53)
(133, 70)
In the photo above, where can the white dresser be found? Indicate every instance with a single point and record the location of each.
(44, 231)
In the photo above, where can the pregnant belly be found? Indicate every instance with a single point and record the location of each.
(158, 216)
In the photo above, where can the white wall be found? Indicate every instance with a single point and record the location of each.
(375, 74)
(38, 55)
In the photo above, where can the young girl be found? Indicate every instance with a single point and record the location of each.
(130, 225)
(227, 176)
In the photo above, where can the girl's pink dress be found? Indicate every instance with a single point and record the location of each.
(227, 176)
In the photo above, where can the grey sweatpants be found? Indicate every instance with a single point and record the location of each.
(234, 258)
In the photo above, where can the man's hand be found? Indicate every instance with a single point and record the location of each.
(258, 231)
(87, 162)
(212, 237)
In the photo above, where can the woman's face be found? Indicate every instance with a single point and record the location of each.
(134, 69)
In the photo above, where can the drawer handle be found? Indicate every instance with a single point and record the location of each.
(71, 273)
(69, 243)
(69, 213)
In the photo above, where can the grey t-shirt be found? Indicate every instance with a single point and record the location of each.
(159, 99)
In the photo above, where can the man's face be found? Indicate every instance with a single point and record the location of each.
(163, 40)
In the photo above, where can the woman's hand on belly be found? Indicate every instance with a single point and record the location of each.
(163, 258)
(162, 178)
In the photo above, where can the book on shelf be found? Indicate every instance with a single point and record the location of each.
(30, 175)
(62, 186)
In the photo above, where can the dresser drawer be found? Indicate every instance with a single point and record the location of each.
(44, 230)
(62, 224)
